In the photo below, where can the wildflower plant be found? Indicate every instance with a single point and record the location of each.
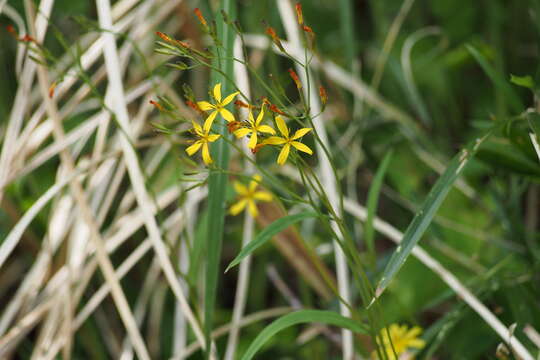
(267, 133)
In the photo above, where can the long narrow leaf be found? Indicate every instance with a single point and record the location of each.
(217, 181)
(265, 235)
(373, 198)
(300, 317)
(423, 218)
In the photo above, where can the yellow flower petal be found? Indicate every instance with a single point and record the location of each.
(227, 115)
(260, 116)
(229, 98)
(205, 105)
(209, 120)
(416, 343)
(266, 129)
(301, 132)
(282, 126)
(414, 332)
(207, 159)
(238, 207)
(217, 92)
(197, 128)
(262, 196)
(252, 208)
(213, 137)
(275, 140)
(242, 132)
(301, 147)
(253, 141)
(194, 148)
(254, 183)
(240, 189)
(283, 154)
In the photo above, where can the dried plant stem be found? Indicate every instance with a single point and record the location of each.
(240, 297)
(86, 213)
(327, 175)
(118, 105)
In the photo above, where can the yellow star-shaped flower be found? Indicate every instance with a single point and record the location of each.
(402, 340)
(254, 127)
(218, 107)
(247, 197)
(288, 141)
(204, 139)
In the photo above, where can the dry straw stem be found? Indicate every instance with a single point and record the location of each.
(395, 235)
(22, 96)
(534, 140)
(143, 199)
(32, 136)
(240, 296)
(86, 213)
(327, 176)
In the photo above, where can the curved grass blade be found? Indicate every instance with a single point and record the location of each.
(423, 218)
(265, 235)
(497, 79)
(373, 198)
(300, 317)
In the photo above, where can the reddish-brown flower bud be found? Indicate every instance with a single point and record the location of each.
(323, 95)
(163, 36)
(308, 30)
(194, 106)
(257, 148)
(233, 126)
(51, 89)
(299, 14)
(272, 107)
(27, 38)
(241, 104)
(182, 44)
(295, 78)
(201, 17)
(157, 105)
(272, 33)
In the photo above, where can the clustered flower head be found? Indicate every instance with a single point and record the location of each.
(400, 339)
(259, 134)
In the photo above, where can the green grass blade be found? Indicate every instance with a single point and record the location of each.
(373, 199)
(217, 180)
(497, 79)
(265, 235)
(423, 218)
(300, 317)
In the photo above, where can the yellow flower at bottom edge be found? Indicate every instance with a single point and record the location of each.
(204, 139)
(287, 141)
(218, 107)
(248, 196)
(401, 338)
